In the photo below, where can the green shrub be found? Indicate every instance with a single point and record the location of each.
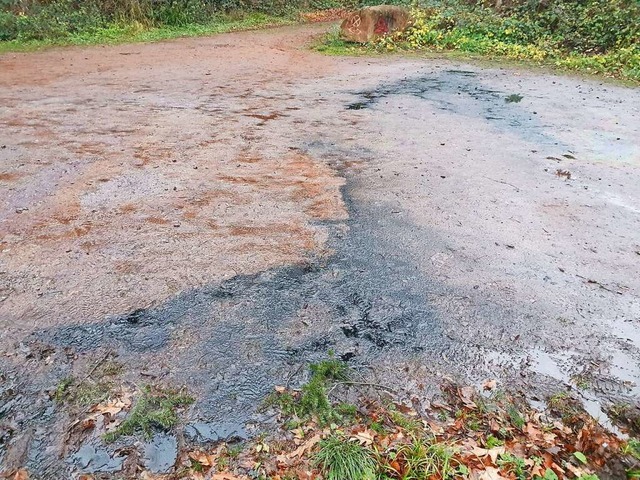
(597, 36)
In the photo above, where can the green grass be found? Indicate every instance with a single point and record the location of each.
(155, 409)
(90, 390)
(426, 459)
(62, 389)
(313, 400)
(133, 33)
(492, 442)
(340, 459)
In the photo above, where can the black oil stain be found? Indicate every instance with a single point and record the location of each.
(249, 333)
(450, 90)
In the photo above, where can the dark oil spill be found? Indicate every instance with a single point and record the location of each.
(450, 90)
(246, 335)
(231, 343)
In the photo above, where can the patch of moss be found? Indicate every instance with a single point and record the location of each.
(62, 390)
(155, 409)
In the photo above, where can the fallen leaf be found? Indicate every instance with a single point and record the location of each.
(225, 476)
(489, 385)
(262, 447)
(578, 472)
(21, 474)
(492, 453)
(280, 389)
(466, 395)
(491, 473)
(202, 458)
(305, 446)
(364, 438)
(534, 433)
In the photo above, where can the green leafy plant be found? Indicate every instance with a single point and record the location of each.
(596, 36)
(581, 457)
(514, 465)
(313, 400)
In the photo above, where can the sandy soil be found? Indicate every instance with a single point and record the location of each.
(441, 229)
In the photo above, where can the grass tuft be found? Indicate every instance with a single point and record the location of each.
(426, 459)
(118, 33)
(340, 459)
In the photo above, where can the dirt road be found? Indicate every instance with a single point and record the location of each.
(217, 212)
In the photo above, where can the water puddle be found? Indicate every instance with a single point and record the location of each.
(619, 375)
(208, 432)
(450, 91)
(96, 459)
(161, 453)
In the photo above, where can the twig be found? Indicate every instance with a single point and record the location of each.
(503, 182)
(293, 375)
(100, 362)
(601, 285)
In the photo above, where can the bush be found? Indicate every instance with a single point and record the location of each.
(599, 36)
(49, 21)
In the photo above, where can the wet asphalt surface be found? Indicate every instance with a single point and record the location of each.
(462, 252)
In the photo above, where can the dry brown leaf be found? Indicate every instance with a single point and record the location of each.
(491, 473)
(21, 474)
(489, 385)
(202, 458)
(533, 432)
(226, 476)
(280, 389)
(577, 471)
(364, 438)
(492, 453)
(304, 447)
(494, 426)
(466, 395)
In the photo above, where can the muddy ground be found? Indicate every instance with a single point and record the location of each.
(217, 212)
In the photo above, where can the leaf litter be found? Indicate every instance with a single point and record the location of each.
(462, 433)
